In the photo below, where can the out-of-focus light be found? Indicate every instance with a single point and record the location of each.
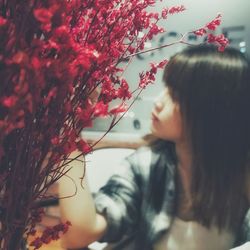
(243, 49)
(242, 44)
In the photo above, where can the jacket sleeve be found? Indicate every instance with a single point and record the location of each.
(120, 199)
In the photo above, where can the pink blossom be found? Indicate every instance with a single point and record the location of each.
(83, 146)
(123, 91)
(55, 140)
(43, 15)
(154, 30)
(214, 23)
(164, 13)
(200, 32)
(176, 9)
(101, 109)
(3, 21)
(49, 234)
(9, 101)
(221, 40)
(119, 109)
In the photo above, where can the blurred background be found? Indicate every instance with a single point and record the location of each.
(235, 25)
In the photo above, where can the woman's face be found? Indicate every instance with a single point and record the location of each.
(166, 122)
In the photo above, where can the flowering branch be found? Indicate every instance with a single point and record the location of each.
(220, 40)
(54, 55)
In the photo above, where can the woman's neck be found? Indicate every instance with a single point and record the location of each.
(184, 174)
(184, 157)
(184, 163)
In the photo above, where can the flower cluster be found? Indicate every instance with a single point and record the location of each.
(221, 40)
(148, 77)
(50, 234)
(34, 218)
(171, 11)
(55, 55)
(210, 26)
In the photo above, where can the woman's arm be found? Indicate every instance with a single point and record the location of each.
(79, 209)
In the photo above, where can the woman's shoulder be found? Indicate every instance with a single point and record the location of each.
(158, 147)
(143, 153)
(146, 157)
(141, 157)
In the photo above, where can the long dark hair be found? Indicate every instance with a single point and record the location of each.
(213, 90)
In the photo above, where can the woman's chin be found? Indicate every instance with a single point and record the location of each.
(153, 131)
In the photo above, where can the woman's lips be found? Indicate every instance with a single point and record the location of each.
(154, 117)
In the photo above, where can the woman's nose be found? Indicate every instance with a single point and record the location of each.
(158, 103)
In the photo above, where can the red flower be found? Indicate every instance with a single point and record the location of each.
(176, 9)
(155, 66)
(9, 101)
(154, 30)
(43, 15)
(101, 109)
(123, 92)
(221, 40)
(200, 32)
(214, 23)
(36, 63)
(62, 34)
(83, 146)
(49, 234)
(119, 109)
(164, 13)
(19, 57)
(162, 64)
(37, 243)
(52, 94)
(55, 140)
(150, 2)
(3, 21)
(85, 114)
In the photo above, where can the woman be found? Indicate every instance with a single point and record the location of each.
(188, 189)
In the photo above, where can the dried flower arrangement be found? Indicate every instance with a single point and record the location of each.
(54, 55)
